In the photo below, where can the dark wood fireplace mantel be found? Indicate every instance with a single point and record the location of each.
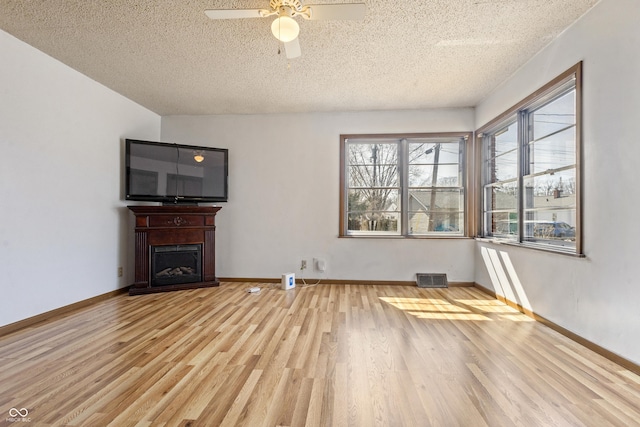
(173, 225)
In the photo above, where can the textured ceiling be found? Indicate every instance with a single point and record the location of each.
(169, 57)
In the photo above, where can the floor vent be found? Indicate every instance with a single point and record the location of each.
(425, 280)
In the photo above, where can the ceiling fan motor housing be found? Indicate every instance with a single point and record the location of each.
(293, 4)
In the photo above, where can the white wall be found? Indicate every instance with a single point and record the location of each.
(63, 228)
(596, 297)
(284, 196)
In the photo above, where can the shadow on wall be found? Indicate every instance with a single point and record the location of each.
(503, 276)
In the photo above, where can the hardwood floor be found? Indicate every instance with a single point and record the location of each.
(329, 355)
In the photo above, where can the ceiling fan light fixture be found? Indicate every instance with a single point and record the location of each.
(285, 28)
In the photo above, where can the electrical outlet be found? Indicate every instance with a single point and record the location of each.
(120, 272)
(303, 264)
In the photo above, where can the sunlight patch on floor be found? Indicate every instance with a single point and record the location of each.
(449, 316)
(516, 317)
(433, 308)
(499, 307)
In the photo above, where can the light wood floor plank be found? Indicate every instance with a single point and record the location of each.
(326, 355)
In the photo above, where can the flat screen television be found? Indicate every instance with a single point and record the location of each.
(175, 173)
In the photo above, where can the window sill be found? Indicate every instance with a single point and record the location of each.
(558, 250)
(398, 236)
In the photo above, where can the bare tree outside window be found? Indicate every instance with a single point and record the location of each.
(374, 186)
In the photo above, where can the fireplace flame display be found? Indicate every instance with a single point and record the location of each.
(176, 264)
(178, 271)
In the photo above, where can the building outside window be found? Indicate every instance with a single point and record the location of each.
(403, 185)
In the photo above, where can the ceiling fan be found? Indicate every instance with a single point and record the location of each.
(284, 27)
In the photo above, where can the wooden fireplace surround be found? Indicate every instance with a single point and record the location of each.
(173, 225)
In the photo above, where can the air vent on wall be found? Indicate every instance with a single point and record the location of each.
(430, 280)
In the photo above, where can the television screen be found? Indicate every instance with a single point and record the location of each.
(175, 173)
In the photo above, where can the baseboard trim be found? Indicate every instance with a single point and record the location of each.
(625, 363)
(58, 312)
(339, 281)
(249, 280)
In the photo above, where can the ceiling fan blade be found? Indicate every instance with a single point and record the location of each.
(292, 48)
(344, 11)
(234, 13)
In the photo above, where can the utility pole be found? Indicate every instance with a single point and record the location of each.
(434, 183)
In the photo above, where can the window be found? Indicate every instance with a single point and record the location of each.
(402, 185)
(530, 172)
